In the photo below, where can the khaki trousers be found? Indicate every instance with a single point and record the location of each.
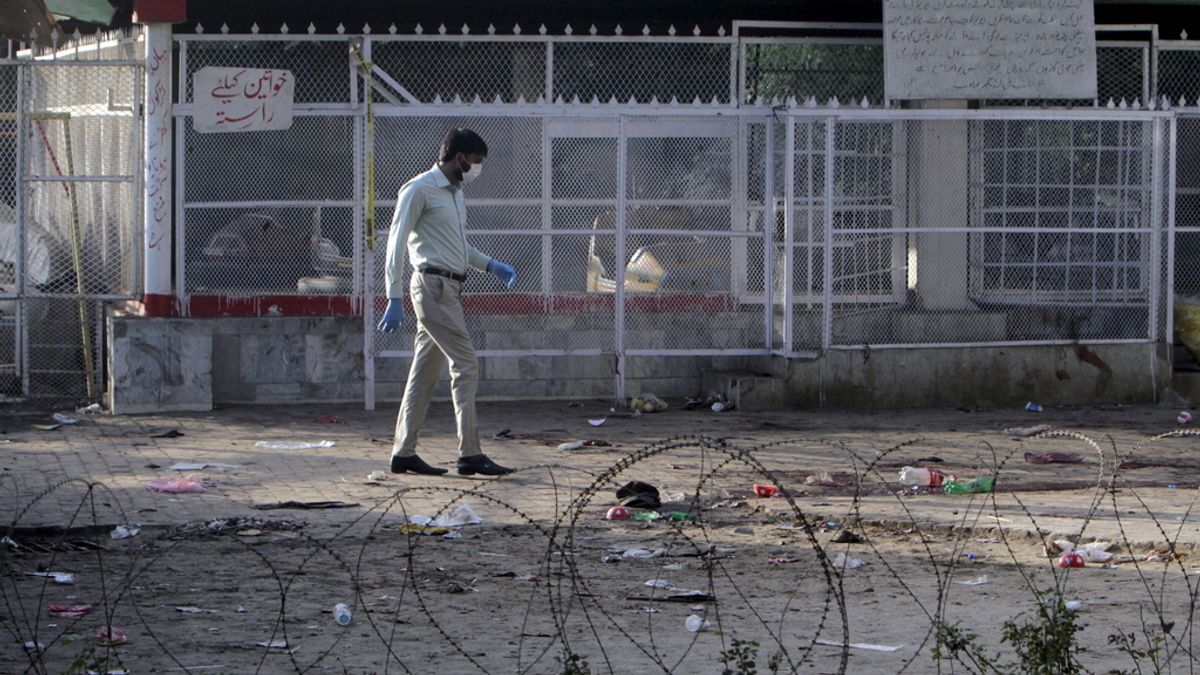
(441, 338)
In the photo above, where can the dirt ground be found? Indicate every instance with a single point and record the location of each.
(546, 584)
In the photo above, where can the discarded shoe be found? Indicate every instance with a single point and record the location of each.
(480, 464)
(415, 464)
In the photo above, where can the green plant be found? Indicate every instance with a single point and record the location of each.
(1046, 645)
(1127, 644)
(575, 664)
(742, 654)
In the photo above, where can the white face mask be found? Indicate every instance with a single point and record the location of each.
(472, 173)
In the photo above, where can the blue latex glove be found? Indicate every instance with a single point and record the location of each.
(393, 316)
(506, 273)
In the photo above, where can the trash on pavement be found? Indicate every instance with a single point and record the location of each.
(659, 583)
(642, 553)
(921, 477)
(646, 516)
(274, 644)
(293, 445)
(695, 624)
(860, 645)
(846, 562)
(1184, 417)
(47, 427)
(125, 531)
(782, 561)
(69, 611)
(639, 495)
(821, 478)
(979, 485)
(1096, 551)
(185, 485)
(461, 515)
(618, 513)
(63, 578)
(1025, 432)
(598, 423)
(1073, 605)
(1033, 407)
(570, 445)
(846, 537)
(92, 409)
(200, 466)
(647, 403)
(111, 637)
(168, 433)
(679, 516)
(331, 419)
(1071, 559)
(429, 530)
(977, 581)
(342, 614)
(304, 505)
(765, 490)
(64, 419)
(1053, 457)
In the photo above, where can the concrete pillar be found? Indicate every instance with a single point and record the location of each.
(158, 173)
(942, 200)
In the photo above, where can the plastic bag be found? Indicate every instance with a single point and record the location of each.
(187, 484)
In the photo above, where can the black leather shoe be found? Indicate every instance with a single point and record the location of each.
(480, 464)
(414, 464)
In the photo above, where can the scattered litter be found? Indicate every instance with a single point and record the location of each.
(598, 423)
(240, 610)
(169, 433)
(743, 530)
(195, 610)
(1071, 559)
(92, 409)
(293, 445)
(782, 561)
(695, 624)
(251, 532)
(377, 476)
(618, 513)
(642, 553)
(979, 485)
(765, 490)
(861, 645)
(844, 561)
(1025, 432)
(69, 611)
(111, 637)
(921, 477)
(1073, 605)
(574, 404)
(331, 419)
(674, 498)
(821, 478)
(461, 515)
(846, 537)
(233, 525)
(274, 644)
(1033, 407)
(933, 459)
(305, 505)
(570, 445)
(452, 535)
(125, 531)
(639, 495)
(47, 427)
(1184, 417)
(1053, 457)
(34, 646)
(185, 485)
(648, 403)
(659, 583)
(721, 406)
(647, 516)
(977, 581)
(200, 466)
(1163, 554)
(63, 578)
(63, 419)
(341, 614)
(680, 516)
(1096, 551)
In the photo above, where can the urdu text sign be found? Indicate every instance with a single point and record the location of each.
(989, 49)
(242, 99)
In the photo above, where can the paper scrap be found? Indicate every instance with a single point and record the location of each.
(293, 445)
(861, 645)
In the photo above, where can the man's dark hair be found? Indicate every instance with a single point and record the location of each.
(461, 140)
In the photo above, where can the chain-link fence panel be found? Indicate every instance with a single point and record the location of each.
(1177, 74)
(10, 334)
(321, 66)
(683, 70)
(1122, 73)
(508, 71)
(820, 70)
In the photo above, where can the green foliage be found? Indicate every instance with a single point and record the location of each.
(575, 664)
(742, 657)
(1046, 645)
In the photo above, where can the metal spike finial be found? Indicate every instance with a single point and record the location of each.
(465, 29)
(520, 99)
(671, 30)
(810, 103)
(653, 100)
(254, 28)
(491, 29)
(341, 29)
(311, 28)
(618, 30)
(76, 36)
(612, 100)
(575, 100)
(392, 29)
(541, 99)
(33, 34)
(568, 30)
(721, 31)
(559, 100)
(1137, 104)
(1111, 105)
(516, 29)
(457, 100)
(696, 30)
(865, 103)
(697, 101)
(595, 100)
(645, 29)
(1166, 102)
(1182, 101)
(199, 29)
(592, 29)
(1123, 105)
(542, 29)
(54, 36)
(224, 29)
(477, 100)
(1183, 34)
(632, 101)
(1151, 104)
(437, 99)
(366, 29)
(419, 29)
(1096, 103)
(758, 100)
(775, 102)
(283, 28)
(498, 100)
(674, 102)
(833, 102)
(441, 29)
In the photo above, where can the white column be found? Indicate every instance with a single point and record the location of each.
(158, 299)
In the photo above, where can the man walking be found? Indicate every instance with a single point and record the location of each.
(431, 220)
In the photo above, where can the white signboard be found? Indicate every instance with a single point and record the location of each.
(242, 99)
(967, 49)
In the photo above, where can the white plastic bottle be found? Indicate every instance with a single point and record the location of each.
(341, 614)
(921, 477)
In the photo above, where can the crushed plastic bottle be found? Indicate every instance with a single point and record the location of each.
(341, 614)
(646, 516)
(974, 486)
(1033, 407)
(921, 477)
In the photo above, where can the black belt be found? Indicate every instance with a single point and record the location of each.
(443, 273)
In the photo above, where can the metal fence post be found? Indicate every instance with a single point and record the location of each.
(768, 236)
(827, 302)
(619, 259)
(789, 237)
